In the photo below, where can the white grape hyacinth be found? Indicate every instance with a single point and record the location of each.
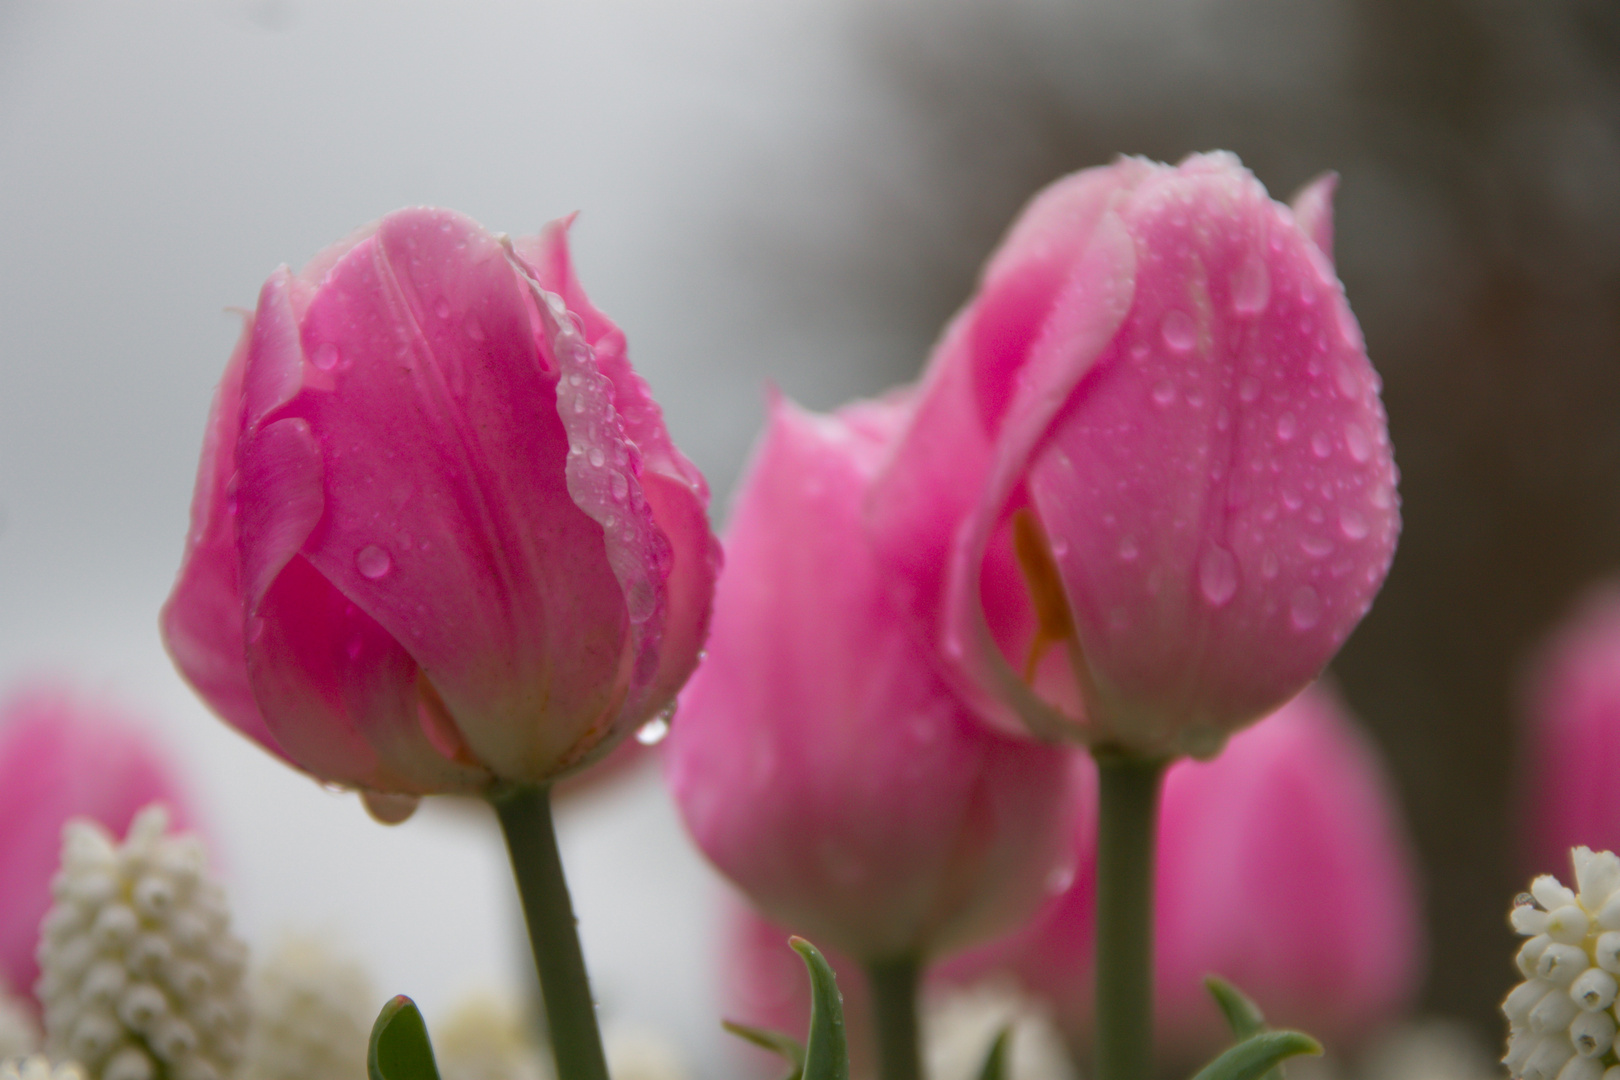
(140, 977)
(39, 1067)
(1562, 1018)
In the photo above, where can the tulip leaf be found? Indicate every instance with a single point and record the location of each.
(826, 1052)
(1242, 1015)
(400, 1049)
(995, 1061)
(777, 1043)
(1258, 1054)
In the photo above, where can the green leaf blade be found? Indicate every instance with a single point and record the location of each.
(826, 1052)
(995, 1060)
(785, 1046)
(400, 1049)
(1258, 1054)
(1243, 1016)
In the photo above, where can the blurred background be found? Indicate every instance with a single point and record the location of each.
(800, 193)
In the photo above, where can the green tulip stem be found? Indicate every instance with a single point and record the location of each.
(894, 1016)
(1128, 806)
(531, 839)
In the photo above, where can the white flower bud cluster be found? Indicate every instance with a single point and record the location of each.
(39, 1067)
(488, 1037)
(1562, 1018)
(312, 1016)
(19, 1035)
(140, 977)
(960, 1025)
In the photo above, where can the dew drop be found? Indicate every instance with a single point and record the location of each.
(1195, 398)
(1316, 547)
(474, 329)
(1179, 331)
(1217, 575)
(1269, 566)
(1352, 523)
(598, 459)
(1321, 444)
(442, 308)
(1356, 441)
(1223, 419)
(1287, 427)
(653, 731)
(1305, 608)
(1248, 389)
(1292, 500)
(1128, 551)
(1164, 393)
(1251, 286)
(620, 486)
(326, 356)
(1381, 498)
(1349, 385)
(1059, 880)
(372, 562)
(1139, 351)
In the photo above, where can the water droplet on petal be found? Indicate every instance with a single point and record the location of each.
(326, 356)
(1269, 566)
(1128, 551)
(1164, 393)
(653, 731)
(1287, 427)
(1352, 523)
(1248, 389)
(597, 457)
(1179, 330)
(1251, 286)
(1217, 575)
(1321, 444)
(1356, 441)
(1316, 547)
(372, 562)
(620, 486)
(1349, 385)
(442, 308)
(1305, 608)
(474, 329)
(1059, 880)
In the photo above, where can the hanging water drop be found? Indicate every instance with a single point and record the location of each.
(1305, 608)
(326, 356)
(653, 731)
(1164, 393)
(1287, 427)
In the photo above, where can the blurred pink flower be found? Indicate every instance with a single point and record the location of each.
(1282, 867)
(1148, 491)
(440, 536)
(1572, 738)
(60, 758)
(818, 759)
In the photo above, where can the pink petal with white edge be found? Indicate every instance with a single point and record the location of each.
(450, 520)
(1079, 329)
(672, 486)
(1223, 486)
(202, 621)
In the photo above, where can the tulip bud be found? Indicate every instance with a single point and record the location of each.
(1281, 868)
(819, 760)
(1572, 734)
(1149, 490)
(62, 758)
(440, 537)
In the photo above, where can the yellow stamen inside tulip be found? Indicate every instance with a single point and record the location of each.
(1053, 623)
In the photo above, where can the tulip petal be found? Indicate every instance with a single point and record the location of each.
(1226, 479)
(1313, 211)
(449, 518)
(201, 622)
(1079, 329)
(673, 487)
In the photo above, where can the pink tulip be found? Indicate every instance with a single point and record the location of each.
(62, 758)
(440, 537)
(1157, 450)
(1282, 867)
(818, 759)
(1572, 745)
